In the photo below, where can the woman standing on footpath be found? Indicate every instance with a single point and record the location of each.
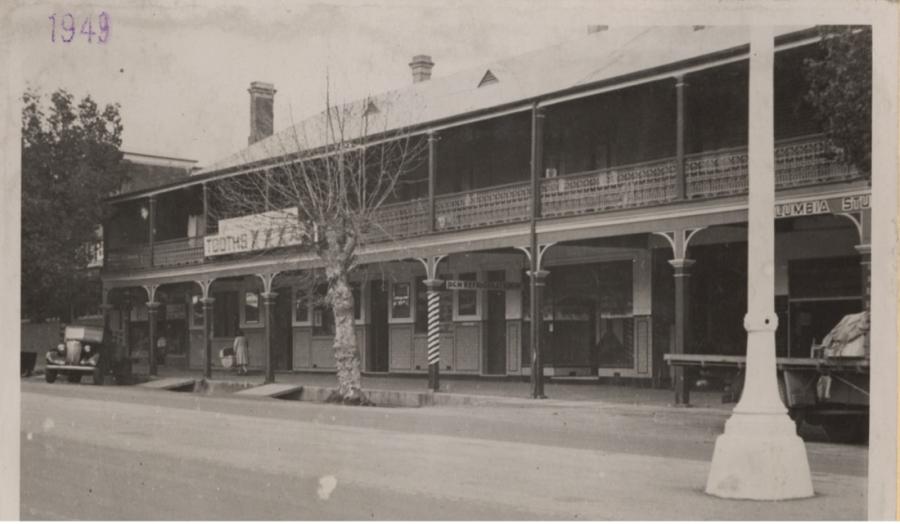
(241, 353)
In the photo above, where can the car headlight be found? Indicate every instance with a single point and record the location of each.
(87, 348)
(61, 348)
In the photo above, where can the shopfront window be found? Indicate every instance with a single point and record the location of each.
(588, 315)
(421, 305)
(401, 301)
(251, 307)
(356, 288)
(821, 291)
(323, 316)
(197, 311)
(301, 305)
(615, 342)
(467, 299)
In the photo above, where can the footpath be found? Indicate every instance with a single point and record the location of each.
(706, 407)
(461, 391)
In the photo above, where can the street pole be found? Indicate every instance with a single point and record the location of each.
(106, 354)
(536, 275)
(681, 377)
(207, 336)
(269, 305)
(126, 337)
(760, 456)
(152, 309)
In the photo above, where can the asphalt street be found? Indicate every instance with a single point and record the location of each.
(97, 453)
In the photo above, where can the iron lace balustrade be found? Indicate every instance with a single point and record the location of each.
(178, 252)
(800, 161)
(401, 220)
(127, 257)
(483, 207)
(808, 160)
(620, 187)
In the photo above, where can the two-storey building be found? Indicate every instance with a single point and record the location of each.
(628, 148)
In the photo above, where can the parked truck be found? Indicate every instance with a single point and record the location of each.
(828, 389)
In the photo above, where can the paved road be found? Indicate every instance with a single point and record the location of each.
(127, 453)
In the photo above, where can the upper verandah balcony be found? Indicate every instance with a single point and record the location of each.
(676, 139)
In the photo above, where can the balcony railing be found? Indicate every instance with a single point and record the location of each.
(482, 207)
(178, 252)
(402, 220)
(167, 253)
(622, 187)
(131, 257)
(799, 162)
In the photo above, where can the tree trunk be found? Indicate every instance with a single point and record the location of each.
(346, 354)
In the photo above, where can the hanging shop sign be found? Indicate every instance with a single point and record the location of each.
(821, 206)
(451, 285)
(269, 230)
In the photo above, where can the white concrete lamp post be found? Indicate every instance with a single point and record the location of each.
(760, 456)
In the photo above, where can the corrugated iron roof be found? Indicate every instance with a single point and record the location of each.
(140, 176)
(596, 57)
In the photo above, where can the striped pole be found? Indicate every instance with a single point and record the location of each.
(434, 334)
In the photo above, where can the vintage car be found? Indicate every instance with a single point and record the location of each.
(80, 354)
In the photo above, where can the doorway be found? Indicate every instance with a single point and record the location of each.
(282, 331)
(495, 327)
(377, 347)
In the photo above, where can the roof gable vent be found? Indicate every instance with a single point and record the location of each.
(488, 79)
(371, 109)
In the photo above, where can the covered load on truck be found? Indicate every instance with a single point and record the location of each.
(848, 339)
(830, 389)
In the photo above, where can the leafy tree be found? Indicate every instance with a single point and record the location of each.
(70, 162)
(840, 80)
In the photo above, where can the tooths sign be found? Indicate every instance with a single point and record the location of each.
(269, 230)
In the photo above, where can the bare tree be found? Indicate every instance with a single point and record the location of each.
(321, 183)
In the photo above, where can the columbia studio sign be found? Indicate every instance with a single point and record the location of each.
(821, 206)
(262, 231)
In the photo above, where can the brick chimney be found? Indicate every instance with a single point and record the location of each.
(421, 68)
(262, 119)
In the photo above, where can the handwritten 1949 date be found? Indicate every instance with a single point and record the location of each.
(67, 28)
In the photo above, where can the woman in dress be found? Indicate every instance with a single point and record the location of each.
(241, 353)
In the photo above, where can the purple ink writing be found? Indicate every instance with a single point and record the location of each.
(68, 31)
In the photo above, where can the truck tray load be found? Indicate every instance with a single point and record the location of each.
(829, 389)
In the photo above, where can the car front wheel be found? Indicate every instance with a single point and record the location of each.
(50, 376)
(98, 377)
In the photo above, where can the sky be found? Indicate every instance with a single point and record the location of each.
(181, 72)
(181, 68)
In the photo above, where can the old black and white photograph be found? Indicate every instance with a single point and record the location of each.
(450, 260)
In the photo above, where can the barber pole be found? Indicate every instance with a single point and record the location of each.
(434, 338)
(433, 285)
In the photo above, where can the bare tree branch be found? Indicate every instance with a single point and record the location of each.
(336, 180)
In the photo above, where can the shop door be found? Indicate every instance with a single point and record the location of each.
(495, 327)
(377, 348)
(282, 330)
